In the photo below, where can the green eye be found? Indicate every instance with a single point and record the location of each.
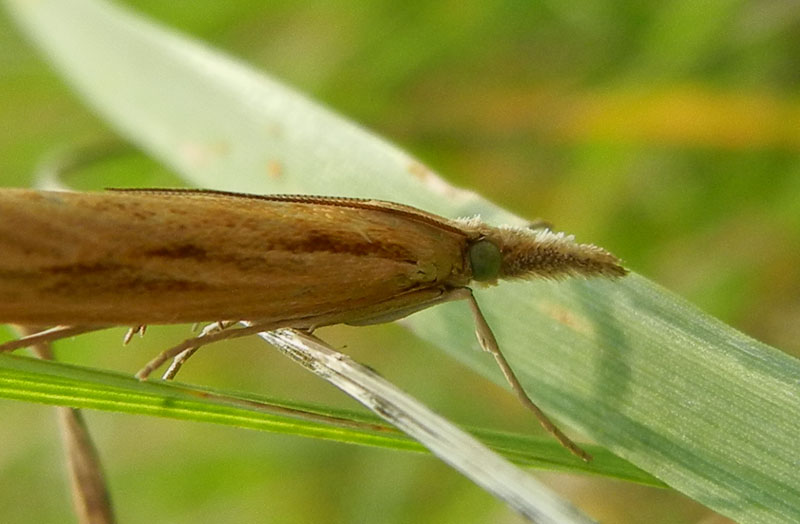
(485, 259)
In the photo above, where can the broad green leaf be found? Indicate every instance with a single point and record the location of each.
(702, 407)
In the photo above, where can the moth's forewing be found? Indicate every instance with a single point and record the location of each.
(162, 257)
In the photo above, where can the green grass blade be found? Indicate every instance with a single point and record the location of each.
(56, 383)
(706, 409)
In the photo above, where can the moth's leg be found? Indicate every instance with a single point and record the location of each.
(415, 301)
(203, 340)
(489, 343)
(47, 336)
(177, 363)
(180, 359)
(133, 330)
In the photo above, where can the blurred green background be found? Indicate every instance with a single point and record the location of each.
(665, 131)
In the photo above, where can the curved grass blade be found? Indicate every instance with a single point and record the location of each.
(56, 383)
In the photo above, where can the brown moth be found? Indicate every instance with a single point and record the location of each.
(84, 261)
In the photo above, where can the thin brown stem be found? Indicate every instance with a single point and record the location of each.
(90, 496)
(47, 336)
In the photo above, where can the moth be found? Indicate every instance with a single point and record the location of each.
(86, 261)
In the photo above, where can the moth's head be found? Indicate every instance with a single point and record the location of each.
(514, 252)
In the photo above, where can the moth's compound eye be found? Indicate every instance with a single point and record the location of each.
(485, 259)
